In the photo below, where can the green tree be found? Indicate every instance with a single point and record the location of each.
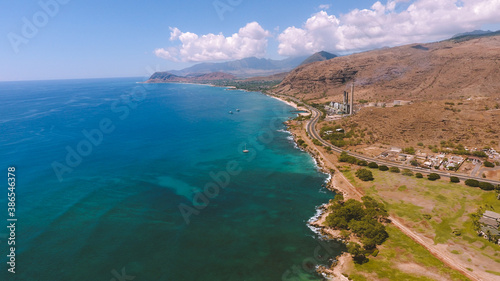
(356, 252)
(433, 176)
(419, 175)
(354, 249)
(472, 182)
(486, 186)
(344, 157)
(394, 170)
(479, 154)
(409, 150)
(364, 175)
(362, 163)
(383, 168)
(489, 164)
(454, 179)
(373, 165)
(407, 172)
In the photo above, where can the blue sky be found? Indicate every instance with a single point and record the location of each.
(91, 39)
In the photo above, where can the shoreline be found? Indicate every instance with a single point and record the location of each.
(292, 104)
(332, 271)
(315, 223)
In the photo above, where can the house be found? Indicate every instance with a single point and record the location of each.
(493, 233)
(402, 157)
(396, 149)
(428, 164)
(489, 223)
(421, 156)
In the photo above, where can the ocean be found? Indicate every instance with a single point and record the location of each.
(118, 180)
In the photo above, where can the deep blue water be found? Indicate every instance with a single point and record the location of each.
(104, 168)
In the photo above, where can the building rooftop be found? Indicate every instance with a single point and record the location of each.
(490, 214)
(489, 221)
(492, 231)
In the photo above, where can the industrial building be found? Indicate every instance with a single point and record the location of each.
(347, 105)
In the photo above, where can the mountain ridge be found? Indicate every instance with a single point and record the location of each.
(252, 69)
(243, 68)
(451, 68)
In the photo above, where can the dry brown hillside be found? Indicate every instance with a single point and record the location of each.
(454, 86)
(451, 69)
(474, 123)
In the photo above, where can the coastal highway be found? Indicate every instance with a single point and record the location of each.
(313, 133)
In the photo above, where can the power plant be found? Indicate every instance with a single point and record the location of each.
(347, 105)
(351, 105)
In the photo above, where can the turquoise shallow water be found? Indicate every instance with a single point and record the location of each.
(105, 167)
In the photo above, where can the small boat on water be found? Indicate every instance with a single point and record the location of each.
(245, 150)
(230, 112)
(237, 110)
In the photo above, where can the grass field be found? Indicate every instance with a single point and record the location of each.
(395, 262)
(438, 210)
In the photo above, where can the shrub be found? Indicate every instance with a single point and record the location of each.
(373, 165)
(486, 186)
(356, 251)
(364, 175)
(362, 163)
(454, 179)
(407, 172)
(433, 176)
(394, 170)
(344, 157)
(479, 154)
(489, 164)
(419, 175)
(317, 142)
(383, 168)
(414, 163)
(409, 150)
(471, 182)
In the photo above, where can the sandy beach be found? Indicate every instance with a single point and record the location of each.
(293, 104)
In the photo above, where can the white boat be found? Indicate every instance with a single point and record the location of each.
(230, 112)
(245, 150)
(237, 110)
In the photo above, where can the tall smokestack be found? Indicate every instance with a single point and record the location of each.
(351, 107)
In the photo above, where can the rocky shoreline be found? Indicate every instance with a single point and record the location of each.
(335, 270)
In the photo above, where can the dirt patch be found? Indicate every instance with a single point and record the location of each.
(494, 175)
(419, 270)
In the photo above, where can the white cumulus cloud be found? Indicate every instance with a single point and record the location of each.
(386, 25)
(251, 40)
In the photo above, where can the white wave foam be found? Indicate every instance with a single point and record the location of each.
(284, 131)
(328, 178)
(315, 217)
